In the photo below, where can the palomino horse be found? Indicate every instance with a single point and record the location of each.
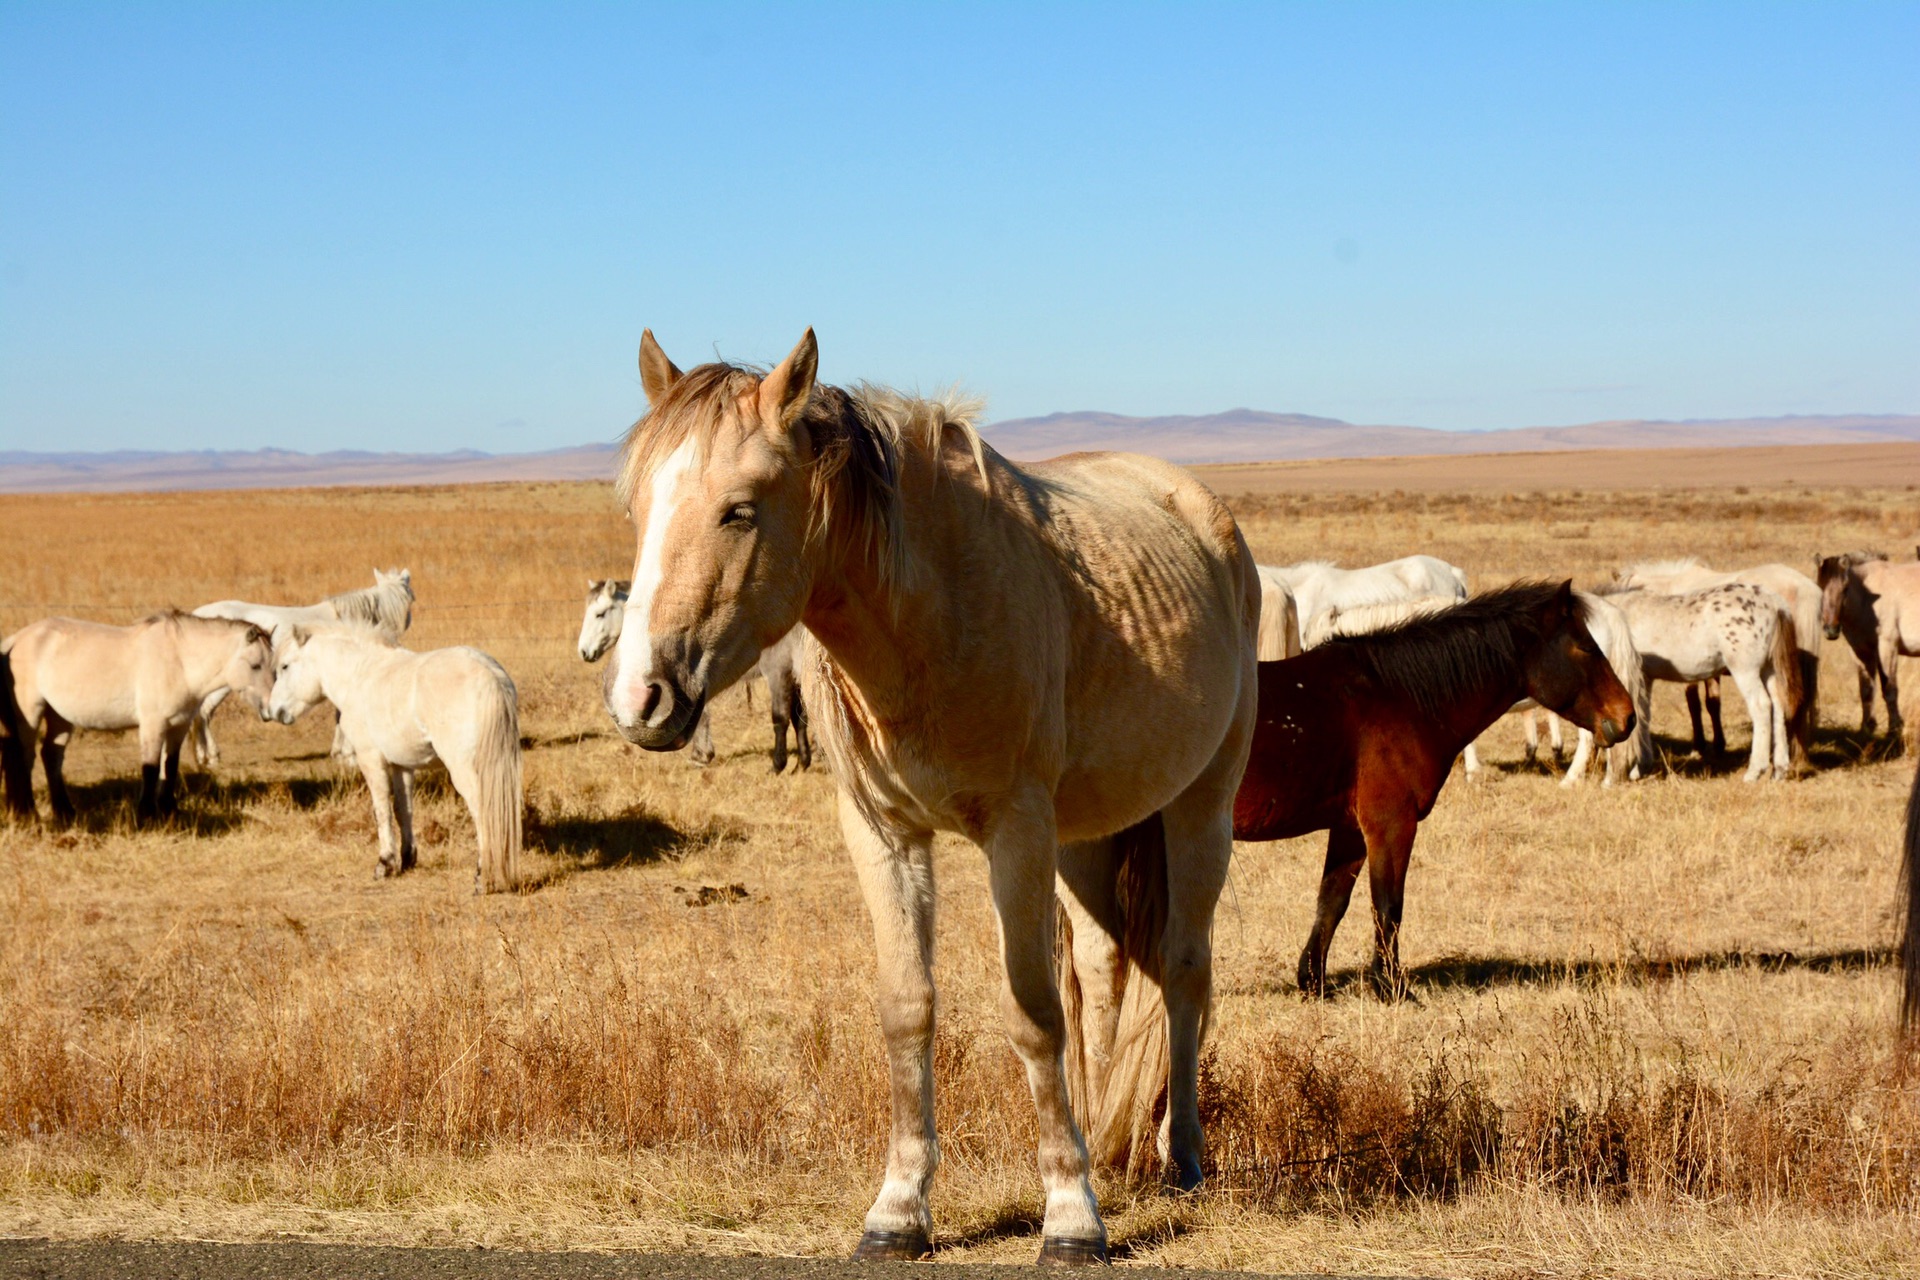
(606, 607)
(1625, 760)
(387, 606)
(153, 676)
(1279, 617)
(402, 710)
(1054, 661)
(1736, 629)
(1910, 891)
(1802, 595)
(1875, 604)
(1357, 737)
(1318, 584)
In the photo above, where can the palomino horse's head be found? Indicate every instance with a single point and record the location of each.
(601, 625)
(1568, 674)
(249, 672)
(716, 481)
(1833, 575)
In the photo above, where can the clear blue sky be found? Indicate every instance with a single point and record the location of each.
(425, 226)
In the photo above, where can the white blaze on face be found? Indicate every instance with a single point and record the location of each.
(634, 651)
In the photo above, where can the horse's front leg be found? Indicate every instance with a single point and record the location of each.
(1022, 855)
(1760, 714)
(176, 740)
(1866, 676)
(1890, 686)
(373, 767)
(153, 751)
(1712, 687)
(1389, 850)
(1346, 852)
(701, 749)
(1699, 728)
(401, 783)
(895, 868)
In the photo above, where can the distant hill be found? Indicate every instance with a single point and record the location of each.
(1248, 435)
(1238, 435)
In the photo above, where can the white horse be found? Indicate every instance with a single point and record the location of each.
(1737, 630)
(1318, 585)
(1279, 617)
(1802, 596)
(600, 630)
(387, 606)
(1609, 629)
(151, 676)
(402, 710)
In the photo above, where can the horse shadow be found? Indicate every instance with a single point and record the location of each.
(1482, 973)
(204, 805)
(633, 837)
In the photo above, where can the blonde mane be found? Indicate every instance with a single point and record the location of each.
(858, 439)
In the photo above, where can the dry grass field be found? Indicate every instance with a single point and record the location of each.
(1649, 1032)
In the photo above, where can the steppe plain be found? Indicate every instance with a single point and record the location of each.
(1650, 1030)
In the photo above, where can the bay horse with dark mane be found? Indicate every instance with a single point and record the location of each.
(1357, 737)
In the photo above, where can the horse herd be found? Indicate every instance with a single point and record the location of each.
(1075, 664)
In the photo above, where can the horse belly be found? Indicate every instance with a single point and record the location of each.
(87, 692)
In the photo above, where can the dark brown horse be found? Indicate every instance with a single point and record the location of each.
(1357, 737)
(16, 770)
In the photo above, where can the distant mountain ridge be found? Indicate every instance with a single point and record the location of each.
(1237, 435)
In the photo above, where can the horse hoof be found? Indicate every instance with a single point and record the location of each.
(1071, 1251)
(893, 1246)
(1183, 1176)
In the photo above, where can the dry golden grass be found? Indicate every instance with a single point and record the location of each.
(1650, 1033)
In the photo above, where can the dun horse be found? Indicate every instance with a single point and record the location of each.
(152, 676)
(1876, 605)
(1357, 737)
(1056, 662)
(600, 628)
(402, 710)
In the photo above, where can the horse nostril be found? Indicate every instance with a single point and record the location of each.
(655, 693)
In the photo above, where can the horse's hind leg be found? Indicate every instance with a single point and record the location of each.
(1712, 687)
(1346, 851)
(779, 700)
(1890, 688)
(1782, 739)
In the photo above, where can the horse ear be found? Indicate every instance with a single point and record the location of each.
(300, 633)
(406, 577)
(657, 373)
(784, 392)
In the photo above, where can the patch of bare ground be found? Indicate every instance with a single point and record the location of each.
(1649, 1031)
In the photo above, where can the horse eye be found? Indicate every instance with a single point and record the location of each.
(740, 514)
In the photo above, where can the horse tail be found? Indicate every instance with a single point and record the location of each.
(496, 768)
(1121, 1122)
(1908, 905)
(1786, 664)
(16, 771)
(1638, 748)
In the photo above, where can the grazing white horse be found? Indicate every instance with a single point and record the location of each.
(1318, 585)
(1802, 596)
(1875, 604)
(1279, 617)
(1737, 630)
(402, 710)
(387, 606)
(600, 630)
(1055, 661)
(152, 676)
(1626, 759)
